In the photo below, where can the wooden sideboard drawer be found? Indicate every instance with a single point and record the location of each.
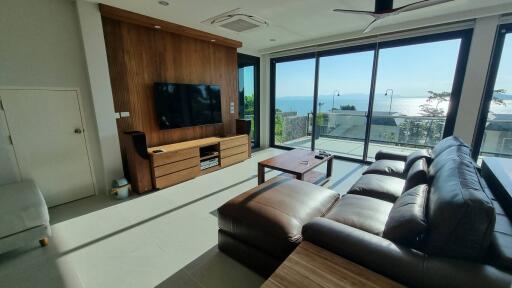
(175, 178)
(233, 142)
(234, 150)
(233, 159)
(174, 156)
(176, 166)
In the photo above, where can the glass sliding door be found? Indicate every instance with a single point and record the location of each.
(343, 96)
(248, 93)
(414, 89)
(495, 131)
(399, 95)
(294, 81)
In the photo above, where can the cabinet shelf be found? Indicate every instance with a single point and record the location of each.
(206, 157)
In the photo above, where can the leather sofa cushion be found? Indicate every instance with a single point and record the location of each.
(387, 155)
(270, 216)
(447, 143)
(415, 156)
(393, 168)
(460, 214)
(407, 222)
(382, 187)
(418, 174)
(361, 212)
(500, 248)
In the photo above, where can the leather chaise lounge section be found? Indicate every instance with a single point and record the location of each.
(434, 223)
(262, 226)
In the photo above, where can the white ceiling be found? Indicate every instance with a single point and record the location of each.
(292, 21)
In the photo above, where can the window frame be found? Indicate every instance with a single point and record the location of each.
(490, 82)
(244, 60)
(465, 35)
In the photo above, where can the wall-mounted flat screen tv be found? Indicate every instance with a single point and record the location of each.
(185, 105)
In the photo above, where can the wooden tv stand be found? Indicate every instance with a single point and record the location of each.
(175, 163)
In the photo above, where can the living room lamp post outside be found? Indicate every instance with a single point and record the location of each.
(334, 93)
(391, 95)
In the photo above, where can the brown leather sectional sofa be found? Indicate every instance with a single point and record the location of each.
(425, 220)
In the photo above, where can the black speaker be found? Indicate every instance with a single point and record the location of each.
(137, 161)
(243, 126)
(139, 143)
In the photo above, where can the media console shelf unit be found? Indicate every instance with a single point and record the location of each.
(174, 163)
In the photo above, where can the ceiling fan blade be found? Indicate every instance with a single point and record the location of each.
(368, 13)
(420, 5)
(372, 25)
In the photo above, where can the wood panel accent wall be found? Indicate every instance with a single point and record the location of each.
(139, 56)
(142, 20)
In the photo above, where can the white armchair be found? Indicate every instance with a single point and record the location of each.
(23, 216)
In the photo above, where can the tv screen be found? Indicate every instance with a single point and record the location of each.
(184, 105)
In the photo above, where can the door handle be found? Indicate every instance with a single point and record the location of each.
(78, 131)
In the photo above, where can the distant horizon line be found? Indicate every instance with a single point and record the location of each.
(504, 95)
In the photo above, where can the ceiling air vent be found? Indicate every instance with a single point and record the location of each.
(236, 21)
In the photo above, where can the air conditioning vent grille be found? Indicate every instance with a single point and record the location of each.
(239, 25)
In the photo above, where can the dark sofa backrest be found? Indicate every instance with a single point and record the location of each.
(461, 216)
(447, 143)
(450, 154)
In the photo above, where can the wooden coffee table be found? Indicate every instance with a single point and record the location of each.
(298, 163)
(313, 266)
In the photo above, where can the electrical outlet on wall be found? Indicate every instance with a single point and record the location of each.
(232, 107)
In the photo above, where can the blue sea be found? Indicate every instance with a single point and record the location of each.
(404, 105)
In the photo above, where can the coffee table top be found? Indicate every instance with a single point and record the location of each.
(294, 161)
(312, 266)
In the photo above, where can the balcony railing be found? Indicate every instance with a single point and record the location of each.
(397, 130)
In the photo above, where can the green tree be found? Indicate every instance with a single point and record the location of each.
(278, 128)
(249, 105)
(496, 99)
(348, 107)
(431, 109)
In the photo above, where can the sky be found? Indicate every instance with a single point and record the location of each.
(248, 80)
(504, 77)
(409, 70)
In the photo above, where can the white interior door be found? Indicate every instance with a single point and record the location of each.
(47, 134)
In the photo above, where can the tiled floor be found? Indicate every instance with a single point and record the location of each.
(165, 239)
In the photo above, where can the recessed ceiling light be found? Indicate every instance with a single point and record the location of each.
(213, 40)
(272, 40)
(163, 3)
(157, 27)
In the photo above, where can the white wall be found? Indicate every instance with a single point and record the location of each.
(96, 58)
(264, 101)
(475, 78)
(41, 47)
(9, 171)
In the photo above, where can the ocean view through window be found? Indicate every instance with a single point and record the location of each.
(496, 137)
(414, 83)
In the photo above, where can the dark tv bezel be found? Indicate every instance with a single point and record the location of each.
(187, 126)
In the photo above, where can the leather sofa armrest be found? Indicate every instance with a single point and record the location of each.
(401, 264)
(386, 155)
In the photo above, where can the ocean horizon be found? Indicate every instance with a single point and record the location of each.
(409, 106)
